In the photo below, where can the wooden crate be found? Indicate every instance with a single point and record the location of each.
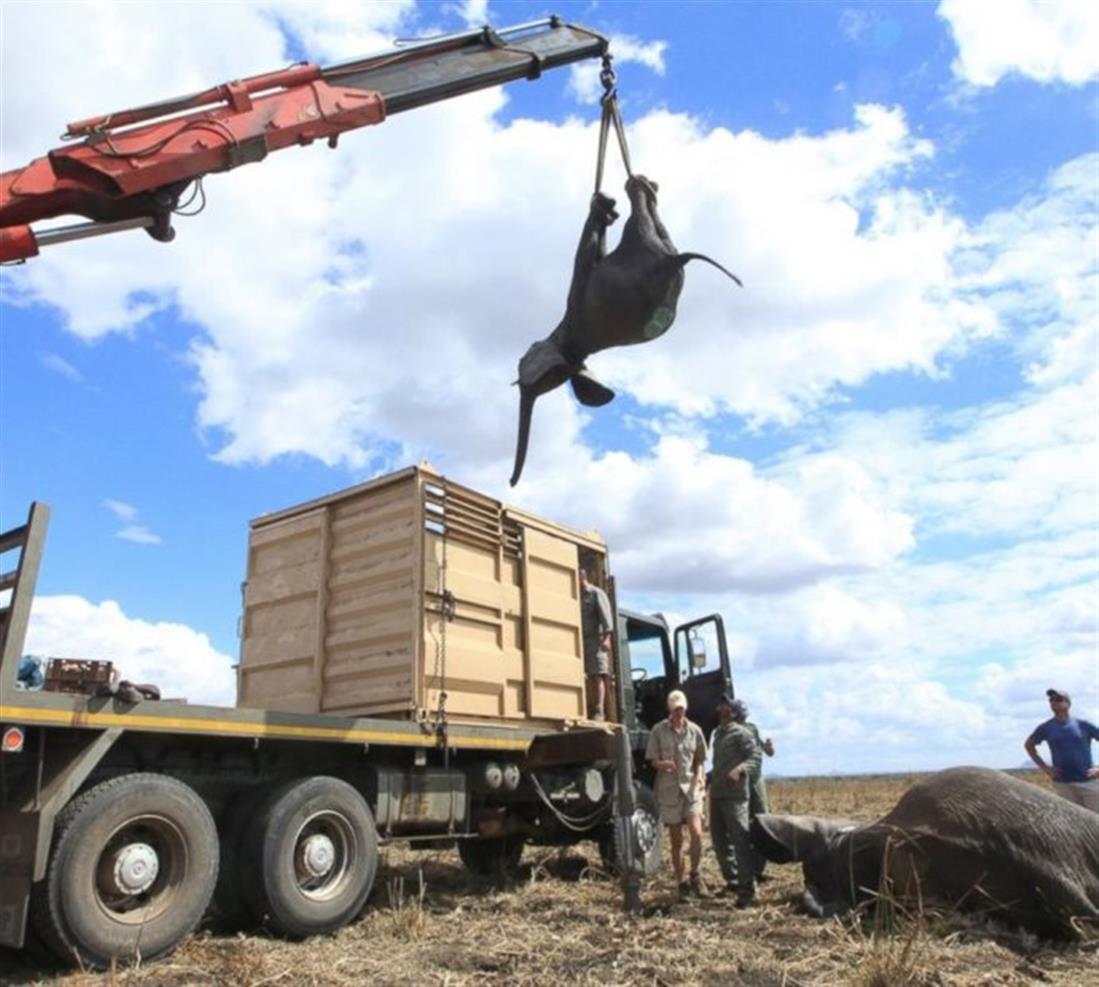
(380, 599)
(82, 675)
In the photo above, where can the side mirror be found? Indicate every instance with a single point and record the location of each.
(698, 653)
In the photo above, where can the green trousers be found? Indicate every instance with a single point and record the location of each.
(732, 845)
(757, 805)
(757, 796)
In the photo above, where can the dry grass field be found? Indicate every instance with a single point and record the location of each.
(560, 922)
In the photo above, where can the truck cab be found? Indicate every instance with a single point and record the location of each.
(654, 660)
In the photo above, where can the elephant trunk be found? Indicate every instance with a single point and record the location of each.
(527, 397)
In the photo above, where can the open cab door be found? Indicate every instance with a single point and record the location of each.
(702, 659)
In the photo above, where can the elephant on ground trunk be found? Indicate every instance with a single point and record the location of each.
(969, 838)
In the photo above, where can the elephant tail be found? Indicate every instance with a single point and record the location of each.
(685, 258)
(526, 410)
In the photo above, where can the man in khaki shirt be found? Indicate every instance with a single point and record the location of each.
(677, 751)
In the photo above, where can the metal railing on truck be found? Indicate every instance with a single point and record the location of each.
(17, 590)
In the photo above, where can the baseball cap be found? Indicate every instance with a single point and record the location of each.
(676, 700)
(725, 699)
(1059, 694)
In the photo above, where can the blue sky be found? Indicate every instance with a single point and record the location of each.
(878, 459)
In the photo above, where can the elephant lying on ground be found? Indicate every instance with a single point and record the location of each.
(970, 838)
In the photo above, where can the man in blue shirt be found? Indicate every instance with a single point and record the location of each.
(1069, 739)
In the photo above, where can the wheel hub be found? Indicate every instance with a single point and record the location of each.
(317, 855)
(135, 868)
(645, 831)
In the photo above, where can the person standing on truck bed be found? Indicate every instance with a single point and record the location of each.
(736, 755)
(677, 751)
(598, 625)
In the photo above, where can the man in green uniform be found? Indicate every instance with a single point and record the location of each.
(757, 790)
(677, 752)
(736, 754)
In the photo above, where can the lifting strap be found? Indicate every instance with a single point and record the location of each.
(611, 115)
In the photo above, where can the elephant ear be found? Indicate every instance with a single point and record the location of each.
(542, 368)
(785, 839)
(588, 390)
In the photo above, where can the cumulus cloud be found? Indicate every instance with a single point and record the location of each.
(334, 349)
(584, 82)
(754, 533)
(1047, 42)
(473, 12)
(367, 308)
(1034, 269)
(180, 660)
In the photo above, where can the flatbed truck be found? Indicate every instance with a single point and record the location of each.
(123, 824)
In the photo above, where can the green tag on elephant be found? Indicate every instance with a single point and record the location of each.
(659, 322)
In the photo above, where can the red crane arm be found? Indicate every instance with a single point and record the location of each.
(130, 168)
(114, 176)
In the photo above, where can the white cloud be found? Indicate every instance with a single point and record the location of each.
(862, 573)
(178, 659)
(321, 350)
(474, 12)
(1045, 41)
(121, 510)
(584, 81)
(855, 22)
(131, 531)
(59, 365)
(753, 533)
(138, 534)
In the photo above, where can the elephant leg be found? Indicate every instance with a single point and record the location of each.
(591, 249)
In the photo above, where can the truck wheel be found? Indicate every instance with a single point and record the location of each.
(313, 853)
(133, 867)
(494, 857)
(647, 835)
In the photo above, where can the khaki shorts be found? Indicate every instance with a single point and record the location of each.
(597, 662)
(1085, 793)
(676, 809)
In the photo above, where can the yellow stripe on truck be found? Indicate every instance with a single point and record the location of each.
(68, 718)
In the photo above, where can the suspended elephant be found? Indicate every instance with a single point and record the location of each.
(628, 296)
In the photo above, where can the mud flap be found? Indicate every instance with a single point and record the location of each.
(18, 838)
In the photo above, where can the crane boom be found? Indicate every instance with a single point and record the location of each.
(129, 169)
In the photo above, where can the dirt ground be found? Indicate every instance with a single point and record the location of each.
(560, 922)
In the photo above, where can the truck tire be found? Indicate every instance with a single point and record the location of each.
(496, 857)
(648, 836)
(131, 873)
(312, 854)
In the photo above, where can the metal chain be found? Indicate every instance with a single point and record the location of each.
(611, 115)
